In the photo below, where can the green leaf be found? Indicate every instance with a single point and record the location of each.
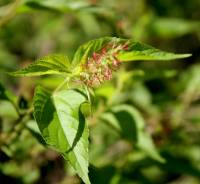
(52, 64)
(31, 125)
(139, 51)
(8, 110)
(8, 105)
(128, 121)
(63, 126)
(190, 83)
(86, 50)
(135, 51)
(59, 64)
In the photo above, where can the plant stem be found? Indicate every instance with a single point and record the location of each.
(89, 98)
(16, 108)
(18, 126)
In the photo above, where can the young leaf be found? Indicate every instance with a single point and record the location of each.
(140, 51)
(132, 51)
(86, 50)
(129, 122)
(63, 126)
(107, 48)
(52, 64)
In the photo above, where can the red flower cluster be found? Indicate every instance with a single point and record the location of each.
(100, 66)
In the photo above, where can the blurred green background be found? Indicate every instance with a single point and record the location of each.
(165, 94)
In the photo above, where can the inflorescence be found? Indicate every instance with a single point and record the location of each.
(101, 65)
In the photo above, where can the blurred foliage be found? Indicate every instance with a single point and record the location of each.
(162, 97)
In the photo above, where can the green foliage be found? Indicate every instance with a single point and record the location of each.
(113, 121)
(148, 53)
(129, 122)
(60, 64)
(135, 51)
(144, 141)
(53, 64)
(170, 27)
(59, 116)
(86, 50)
(63, 126)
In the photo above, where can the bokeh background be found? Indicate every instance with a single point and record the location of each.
(166, 94)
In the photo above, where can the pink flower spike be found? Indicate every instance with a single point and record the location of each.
(125, 46)
(95, 56)
(115, 62)
(107, 74)
(103, 51)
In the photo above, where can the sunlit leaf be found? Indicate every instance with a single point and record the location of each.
(63, 126)
(59, 64)
(86, 50)
(139, 51)
(52, 64)
(134, 51)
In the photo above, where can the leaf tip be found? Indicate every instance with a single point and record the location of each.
(179, 56)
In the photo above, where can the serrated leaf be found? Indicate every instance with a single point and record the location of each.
(63, 126)
(86, 50)
(135, 51)
(59, 64)
(129, 122)
(150, 54)
(52, 64)
(140, 51)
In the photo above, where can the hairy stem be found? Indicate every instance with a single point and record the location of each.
(16, 130)
(89, 98)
